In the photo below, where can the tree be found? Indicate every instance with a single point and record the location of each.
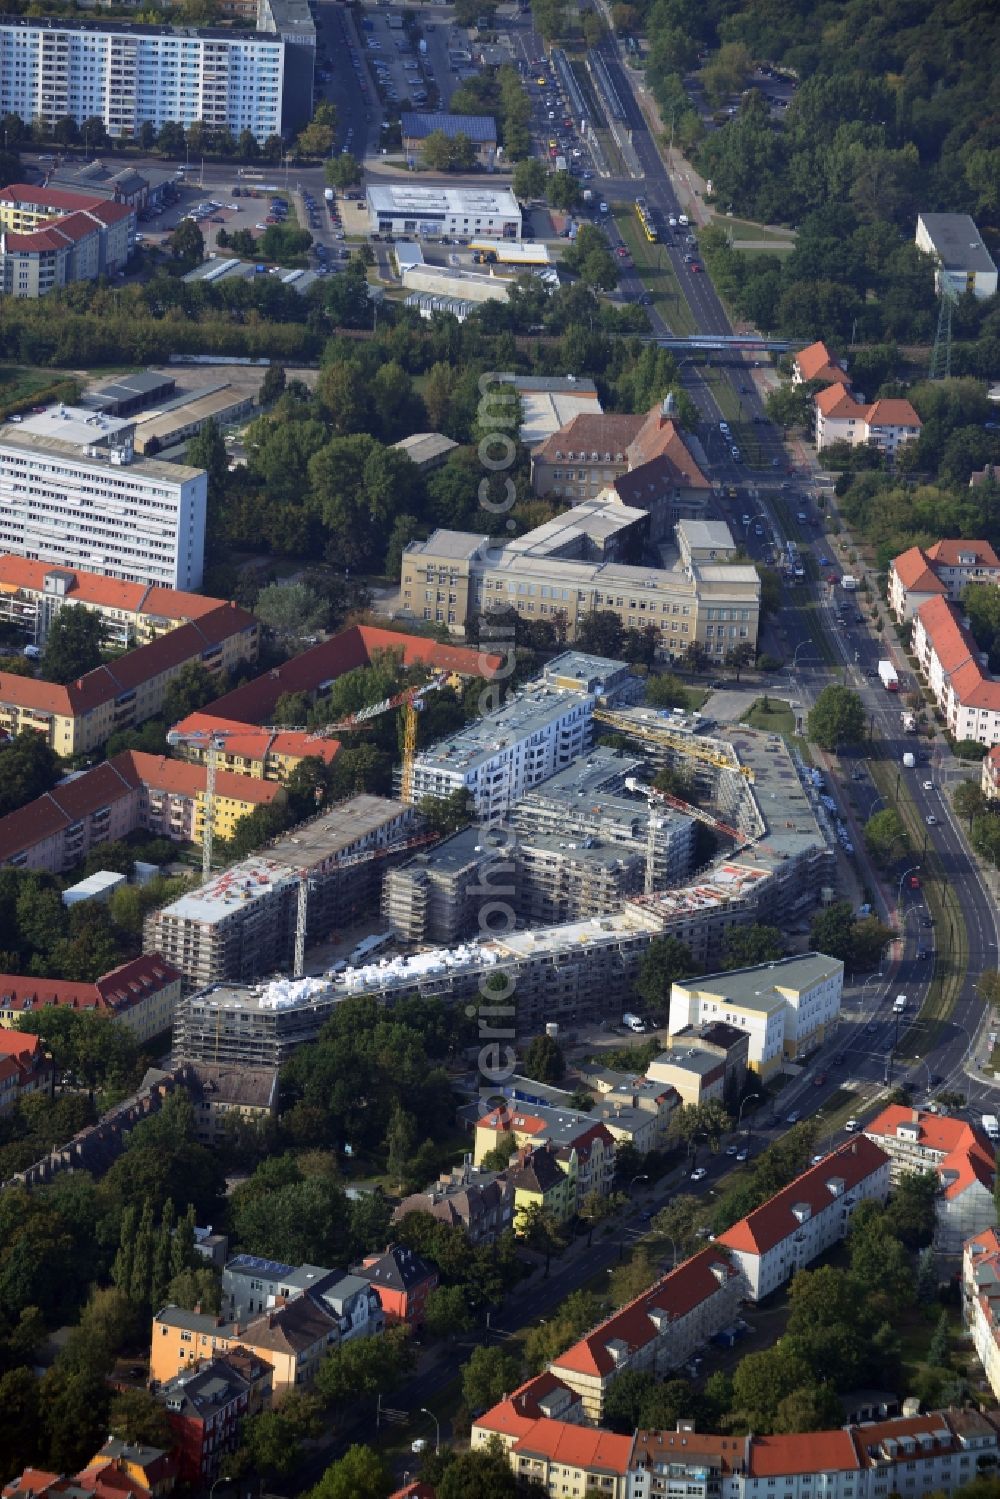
(446, 1312)
(596, 1207)
(837, 717)
(272, 1439)
(911, 1213)
(315, 140)
(365, 1366)
(562, 191)
(343, 171)
(207, 450)
(272, 387)
(73, 644)
(291, 611)
(789, 406)
(192, 688)
(681, 1221)
(138, 1418)
(747, 945)
(886, 836)
(489, 1375)
(665, 960)
(499, 1158)
(360, 1474)
(28, 768)
(21, 1423)
(633, 1277)
(541, 1231)
(940, 1344)
(446, 814)
(544, 1060)
(667, 691)
(195, 1287)
(528, 179)
(761, 1381)
(187, 245)
(969, 800)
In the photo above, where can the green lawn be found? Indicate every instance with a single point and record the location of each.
(739, 229)
(776, 717)
(19, 386)
(653, 264)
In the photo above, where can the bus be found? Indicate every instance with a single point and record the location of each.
(647, 218)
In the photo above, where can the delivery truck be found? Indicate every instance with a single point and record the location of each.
(849, 584)
(633, 1023)
(992, 1126)
(909, 723)
(888, 677)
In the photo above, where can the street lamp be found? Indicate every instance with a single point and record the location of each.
(635, 1179)
(673, 1247)
(739, 1117)
(871, 979)
(802, 645)
(437, 1427)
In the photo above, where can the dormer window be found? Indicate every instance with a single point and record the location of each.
(801, 1212)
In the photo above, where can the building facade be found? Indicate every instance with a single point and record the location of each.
(80, 238)
(72, 494)
(141, 994)
(805, 1218)
(954, 669)
(962, 261)
(958, 1154)
(129, 75)
(787, 1008)
(943, 570)
(886, 424)
(476, 212)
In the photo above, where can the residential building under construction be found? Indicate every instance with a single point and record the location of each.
(242, 923)
(579, 846)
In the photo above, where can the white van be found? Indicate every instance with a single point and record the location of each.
(851, 1126)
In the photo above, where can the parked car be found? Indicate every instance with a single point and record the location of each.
(698, 1174)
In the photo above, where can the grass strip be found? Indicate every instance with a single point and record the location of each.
(653, 264)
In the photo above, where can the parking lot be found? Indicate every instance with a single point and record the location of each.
(254, 203)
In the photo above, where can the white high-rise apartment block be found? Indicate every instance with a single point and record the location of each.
(73, 494)
(129, 74)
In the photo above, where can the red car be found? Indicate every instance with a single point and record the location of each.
(695, 268)
(819, 1079)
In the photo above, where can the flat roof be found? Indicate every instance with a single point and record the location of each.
(527, 713)
(238, 887)
(75, 425)
(418, 124)
(458, 546)
(335, 829)
(24, 439)
(958, 242)
(690, 1059)
(596, 520)
(762, 986)
(707, 533)
(424, 447)
(545, 411)
(404, 198)
(584, 668)
(137, 28)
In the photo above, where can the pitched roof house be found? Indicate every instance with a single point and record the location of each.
(958, 1153)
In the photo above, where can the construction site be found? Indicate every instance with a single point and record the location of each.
(259, 915)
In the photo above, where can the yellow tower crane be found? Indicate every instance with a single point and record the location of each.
(684, 744)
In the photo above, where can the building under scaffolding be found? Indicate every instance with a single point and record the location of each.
(242, 923)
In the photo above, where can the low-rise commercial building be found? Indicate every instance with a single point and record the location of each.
(787, 1008)
(474, 212)
(427, 450)
(183, 416)
(957, 1153)
(962, 261)
(805, 1218)
(73, 494)
(479, 130)
(956, 672)
(943, 570)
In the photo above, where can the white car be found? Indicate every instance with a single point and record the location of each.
(698, 1174)
(928, 785)
(931, 821)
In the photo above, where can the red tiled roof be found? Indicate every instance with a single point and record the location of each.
(34, 241)
(20, 993)
(873, 1441)
(34, 1481)
(915, 572)
(965, 1154)
(75, 226)
(110, 212)
(181, 778)
(254, 702)
(574, 1446)
(589, 433)
(660, 437)
(417, 1490)
(950, 551)
(55, 198)
(892, 413)
(250, 743)
(676, 1294)
(725, 1454)
(505, 1117)
(20, 1044)
(105, 593)
(974, 689)
(817, 363)
(133, 981)
(775, 1220)
(952, 644)
(836, 400)
(810, 1452)
(67, 803)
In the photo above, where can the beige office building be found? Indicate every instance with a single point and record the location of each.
(570, 568)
